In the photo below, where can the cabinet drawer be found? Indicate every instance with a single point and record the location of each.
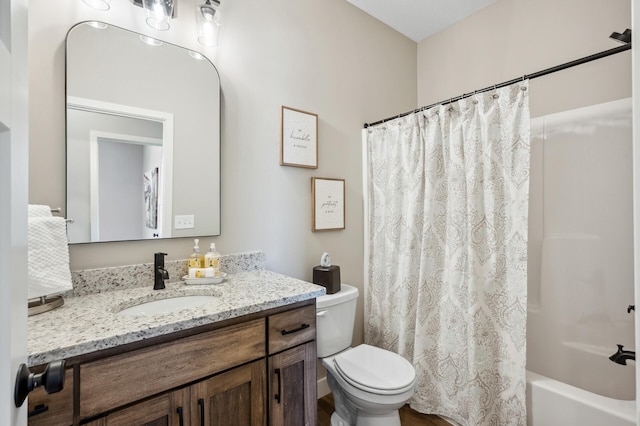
(292, 328)
(122, 379)
(55, 408)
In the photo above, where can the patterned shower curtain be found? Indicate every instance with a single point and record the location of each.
(446, 253)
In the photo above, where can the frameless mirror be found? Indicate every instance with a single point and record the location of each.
(143, 138)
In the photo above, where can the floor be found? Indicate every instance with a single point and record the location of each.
(408, 417)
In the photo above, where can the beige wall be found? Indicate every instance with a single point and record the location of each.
(325, 57)
(511, 38)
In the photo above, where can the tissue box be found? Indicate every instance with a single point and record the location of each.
(328, 277)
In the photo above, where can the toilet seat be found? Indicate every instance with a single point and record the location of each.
(375, 370)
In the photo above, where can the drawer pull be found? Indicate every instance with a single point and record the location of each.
(38, 409)
(302, 327)
(201, 404)
(277, 373)
(180, 416)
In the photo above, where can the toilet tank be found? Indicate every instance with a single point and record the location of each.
(335, 319)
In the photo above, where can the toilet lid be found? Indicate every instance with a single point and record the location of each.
(376, 369)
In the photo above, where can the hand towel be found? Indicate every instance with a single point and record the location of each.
(48, 257)
(36, 210)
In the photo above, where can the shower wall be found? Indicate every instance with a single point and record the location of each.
(581, 248)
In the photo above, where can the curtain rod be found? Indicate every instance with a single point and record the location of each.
(544, 72)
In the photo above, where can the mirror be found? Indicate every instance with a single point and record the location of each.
(143, 138)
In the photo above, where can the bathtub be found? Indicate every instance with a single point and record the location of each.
(551, 403)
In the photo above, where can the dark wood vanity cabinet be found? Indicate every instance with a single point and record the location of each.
(292, 368)
(222, 375)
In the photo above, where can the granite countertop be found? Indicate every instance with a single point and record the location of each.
(89, 322)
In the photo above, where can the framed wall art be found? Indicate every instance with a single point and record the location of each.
(328, 207)
(298, 138)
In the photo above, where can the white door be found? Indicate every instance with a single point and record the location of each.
(13, 203)
(635, 8)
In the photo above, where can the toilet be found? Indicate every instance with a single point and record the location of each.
(369, 384)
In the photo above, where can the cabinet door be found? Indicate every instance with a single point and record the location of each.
(233, 398)
(292, 384)
(170, 409)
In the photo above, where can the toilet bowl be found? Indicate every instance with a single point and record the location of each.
(369, 384)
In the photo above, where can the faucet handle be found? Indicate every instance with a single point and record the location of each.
(158, 258)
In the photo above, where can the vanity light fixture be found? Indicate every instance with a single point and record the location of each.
(208, 17)
(98, 4)
(158, 13)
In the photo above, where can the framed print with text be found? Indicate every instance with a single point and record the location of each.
(298, 138)
(328, 207)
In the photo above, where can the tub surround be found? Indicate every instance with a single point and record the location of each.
(88, 321)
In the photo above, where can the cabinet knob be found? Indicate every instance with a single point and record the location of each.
(277, 373)
(303, 326)
(201, 404)
(180, 415)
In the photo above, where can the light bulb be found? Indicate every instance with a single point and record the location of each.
(209, 22)
(158, 13)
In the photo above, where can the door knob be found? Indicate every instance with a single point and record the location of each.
(52, 378)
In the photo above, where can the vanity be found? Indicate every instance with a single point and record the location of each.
(244, 352)
(245, 356)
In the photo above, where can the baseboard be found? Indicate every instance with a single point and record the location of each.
(323, 387)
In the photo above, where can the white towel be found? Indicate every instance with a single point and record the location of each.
(38, 210)
(48, 257)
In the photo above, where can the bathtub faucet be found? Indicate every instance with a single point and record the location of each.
(622, 356)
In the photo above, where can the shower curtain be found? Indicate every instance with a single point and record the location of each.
(446, 252)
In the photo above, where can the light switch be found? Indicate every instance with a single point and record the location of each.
(184, 221)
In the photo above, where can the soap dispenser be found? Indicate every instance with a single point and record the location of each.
(212, 260)
(196, 260)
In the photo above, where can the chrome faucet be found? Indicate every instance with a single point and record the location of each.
(622, 356)
(160, 274)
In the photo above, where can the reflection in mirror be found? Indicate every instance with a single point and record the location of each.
(143, 138)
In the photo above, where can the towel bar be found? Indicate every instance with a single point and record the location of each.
(44, 304)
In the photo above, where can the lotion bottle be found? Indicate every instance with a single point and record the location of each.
(212, 260)
(196, 260)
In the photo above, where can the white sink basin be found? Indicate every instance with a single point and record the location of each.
(166, 306)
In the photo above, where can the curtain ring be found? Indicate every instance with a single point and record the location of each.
(495, 95)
